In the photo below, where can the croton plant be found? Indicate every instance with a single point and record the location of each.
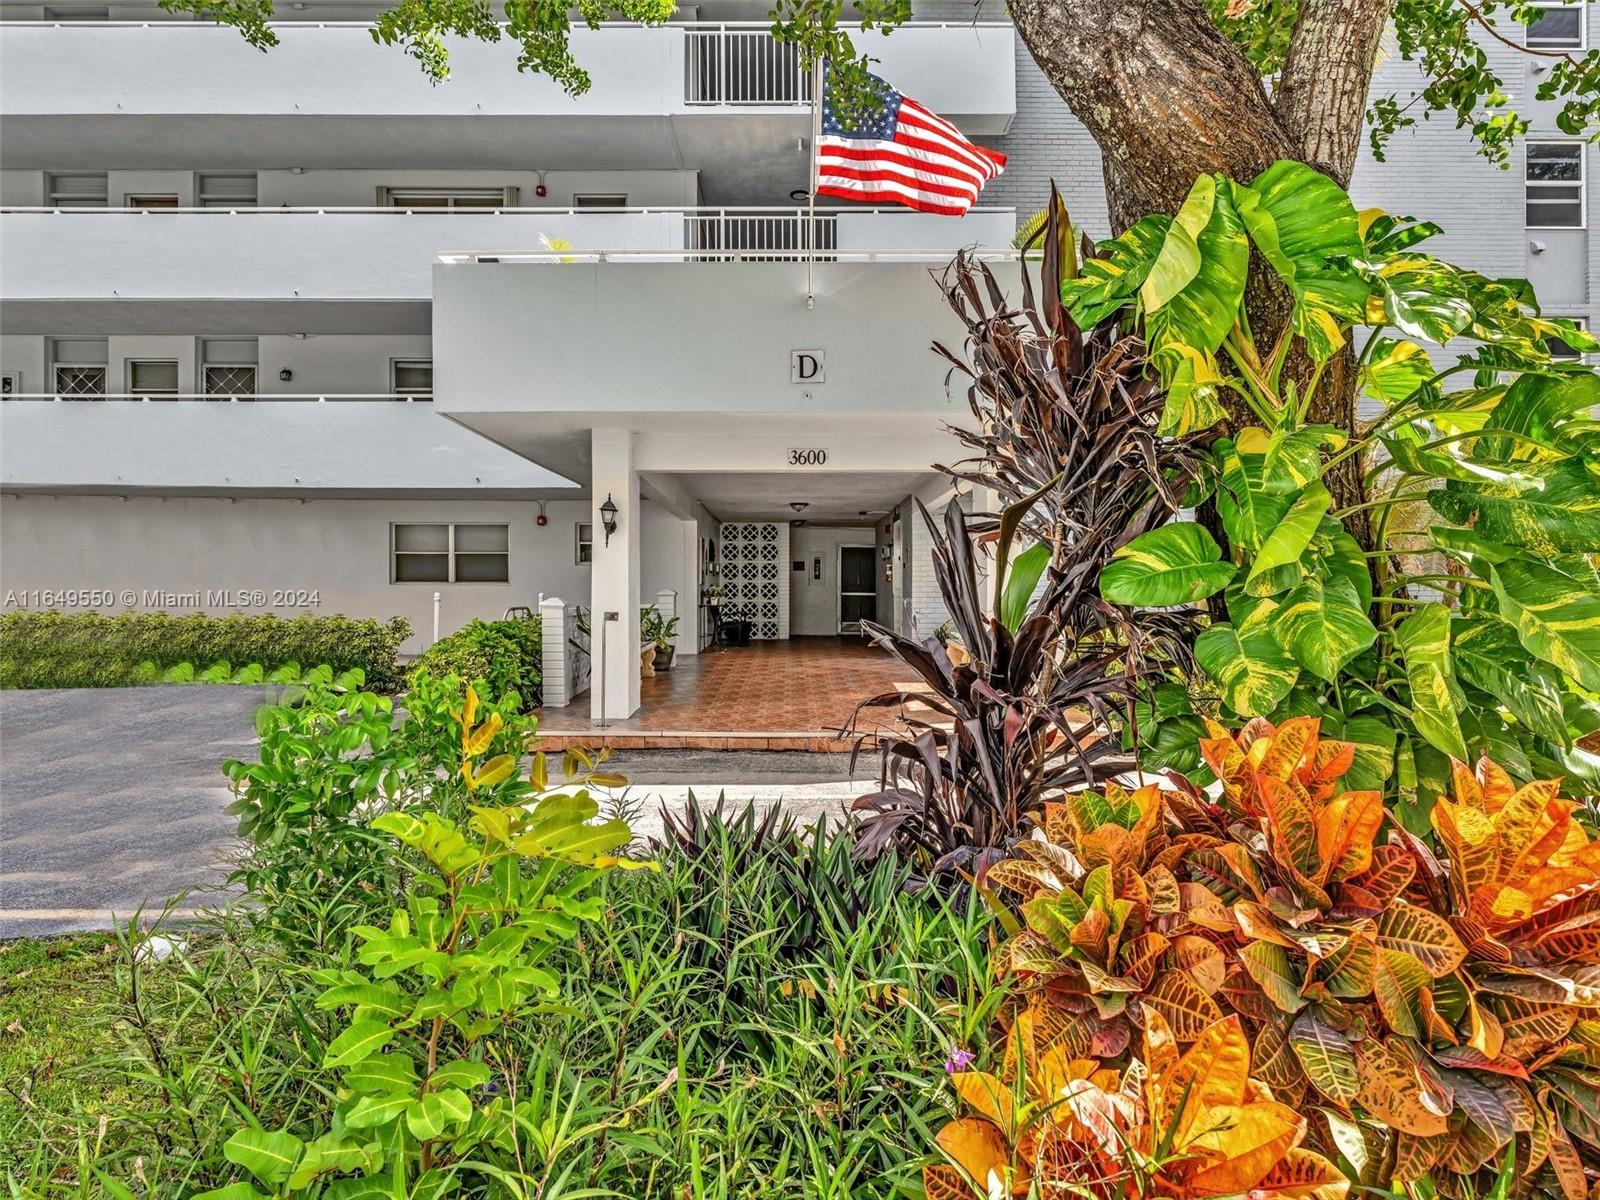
(1274, 988)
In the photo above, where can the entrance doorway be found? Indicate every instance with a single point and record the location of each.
(858, 587)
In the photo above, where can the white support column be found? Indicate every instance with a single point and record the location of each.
(614, 579)
(689, 587)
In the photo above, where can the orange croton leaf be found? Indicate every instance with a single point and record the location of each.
(980, 1150)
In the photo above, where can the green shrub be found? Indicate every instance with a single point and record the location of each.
(503, 656)
(60, 650)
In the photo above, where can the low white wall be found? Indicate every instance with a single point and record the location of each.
(339, 548)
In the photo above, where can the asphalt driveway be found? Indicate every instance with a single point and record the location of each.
(114, 798)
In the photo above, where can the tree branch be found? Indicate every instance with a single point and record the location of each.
(1477, 15)
(1322, 90)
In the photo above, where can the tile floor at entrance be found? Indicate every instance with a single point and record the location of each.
(782, 695)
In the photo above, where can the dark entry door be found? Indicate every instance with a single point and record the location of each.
(858, 586)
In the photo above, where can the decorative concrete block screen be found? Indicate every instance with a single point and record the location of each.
(755, 572)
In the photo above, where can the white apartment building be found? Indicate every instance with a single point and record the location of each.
(299, 324)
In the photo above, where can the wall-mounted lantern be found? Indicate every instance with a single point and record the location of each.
(608, 517)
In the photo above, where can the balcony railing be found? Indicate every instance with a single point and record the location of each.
(883, 255)
(191, 397)
(726, 64)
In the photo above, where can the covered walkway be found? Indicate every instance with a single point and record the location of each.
(797, 694)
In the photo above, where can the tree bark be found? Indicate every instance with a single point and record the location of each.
(1167, 97)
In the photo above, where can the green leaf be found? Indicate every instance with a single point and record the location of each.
(1324, 625)
(1109, 281)
(1374, 740)
(461, 1073)
(370, 1112)
(1558, 513)
(1490, 657)
(1557, 616)
(1175, 564)
(382, 1073)
(233, 1191)
(1394, 369)
(362, 1040)
(1540, 408)
(1423, 640)
(1398, 981)
(1270, 967)
(1423, 299)
(1302, 221)
(1325, 1056)
(1193, 380)
(1248, 509)
(389, 1001)
(559, 828)
(1021, 579)
(1289, 538)
(1196, 284)
(1249, 666)
(269, 1155)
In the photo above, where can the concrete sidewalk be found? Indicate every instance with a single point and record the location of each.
(114, 798)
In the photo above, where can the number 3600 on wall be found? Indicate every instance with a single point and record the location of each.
(808, 458)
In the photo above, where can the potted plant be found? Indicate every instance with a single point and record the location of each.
(658, 631)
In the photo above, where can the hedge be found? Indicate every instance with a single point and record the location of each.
(57, 650)
(506, 655)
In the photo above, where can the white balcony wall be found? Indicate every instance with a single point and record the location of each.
(959, 69)
(989, 228)
(279, 255)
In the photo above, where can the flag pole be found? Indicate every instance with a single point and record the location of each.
(811, 190)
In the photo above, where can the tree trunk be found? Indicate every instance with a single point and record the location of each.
(1167, 97)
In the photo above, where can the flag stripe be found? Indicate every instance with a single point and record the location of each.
(902, 197)
(939, 142)
(891, 156)
(920, 183)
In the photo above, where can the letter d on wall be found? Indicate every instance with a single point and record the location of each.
(806, 366)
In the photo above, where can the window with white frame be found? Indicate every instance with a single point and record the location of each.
(583, 544)
(153, 378)
(1559, 26)
(78, 367)
(228, 367)
(451, 553)
(599, 200)
(1560, 350)
(226, 189)
(1555, 185)
(77, 190)
(425, 199)
(411, 377)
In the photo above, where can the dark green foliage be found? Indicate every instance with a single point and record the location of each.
(505, 656)
(61, 650)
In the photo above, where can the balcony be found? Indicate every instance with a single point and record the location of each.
(660, 98)
(61, 270)
(284, 443)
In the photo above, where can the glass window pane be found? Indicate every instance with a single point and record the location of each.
(1559, 215)
(422, 568)
(1557, 29)
(482, 539)
(413, 377)
(1561, 161)
(153, 376)
(482, 568)
(429, 538)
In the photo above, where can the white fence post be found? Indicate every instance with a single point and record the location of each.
(554, 652)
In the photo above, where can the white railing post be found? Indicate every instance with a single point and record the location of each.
(554, 653)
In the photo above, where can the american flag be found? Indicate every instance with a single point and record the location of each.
(901, 153)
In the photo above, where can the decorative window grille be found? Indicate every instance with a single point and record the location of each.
(754, 556)
(78, 367)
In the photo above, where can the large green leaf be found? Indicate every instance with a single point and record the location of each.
(269, 1155)
(1422, 298)
(1394, 369)
(1252, 671)
(1374, 740)
(1021, 579)
(1562, 516)
(1423, 639)
(562, 826)
(361, 1040)
(1490, 657)
(1193, 292)
(1290, 537)
(1557, 615)
(1175, 564)
(1305, 226)
(1112, 279)
(1324, 624)
(1540, 408)
(1193, 380)
(1249, 511)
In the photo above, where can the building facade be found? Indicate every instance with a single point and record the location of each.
(299, 324)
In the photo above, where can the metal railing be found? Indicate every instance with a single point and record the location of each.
(193, 397)
(731, 65)
(778, 229)
(934, 255)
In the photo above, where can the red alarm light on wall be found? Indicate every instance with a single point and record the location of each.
(540, 190)
(541, 520)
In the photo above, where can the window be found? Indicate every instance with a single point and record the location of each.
(228, 367)
(153, 377)
(233, 190)
(426, 199)
(412, 377)
(149, 201)
(617, 200)
(1559, 26)
(1554, 175)
(452, 554)
(583, 539)
(10, 384)
(78, 367)
(75, 191)
(1560, 351)
(77, 14)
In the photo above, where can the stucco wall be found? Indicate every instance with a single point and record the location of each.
(814, 603)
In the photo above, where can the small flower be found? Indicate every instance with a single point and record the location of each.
(959, 1060)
